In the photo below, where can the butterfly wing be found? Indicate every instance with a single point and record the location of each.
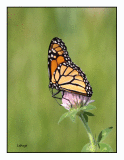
(57, 54)
(64, 75)
(71, 80)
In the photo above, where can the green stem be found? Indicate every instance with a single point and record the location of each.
(92, 141)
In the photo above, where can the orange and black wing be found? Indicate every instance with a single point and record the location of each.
(57, 54)
(69, 77)
(64, 75)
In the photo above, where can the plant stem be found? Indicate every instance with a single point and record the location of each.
(93, 147)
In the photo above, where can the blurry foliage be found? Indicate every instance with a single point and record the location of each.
(90, 36)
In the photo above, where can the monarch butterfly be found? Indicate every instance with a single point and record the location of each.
(64, 75)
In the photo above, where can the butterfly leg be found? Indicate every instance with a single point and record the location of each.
(53, 95)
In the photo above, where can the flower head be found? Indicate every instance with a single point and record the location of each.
(70, 100)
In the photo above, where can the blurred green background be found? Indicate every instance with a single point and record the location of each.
(90, 37)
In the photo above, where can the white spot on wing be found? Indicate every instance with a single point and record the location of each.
(53, 50)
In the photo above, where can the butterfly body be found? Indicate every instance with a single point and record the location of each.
(64, 75)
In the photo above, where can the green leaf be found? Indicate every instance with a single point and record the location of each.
(85, 116)
(72, 114)
(87, 108)
(89, 113)
(103, 134)
(105, 147)
(63, 116)
(86, 148)
(83, 110)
